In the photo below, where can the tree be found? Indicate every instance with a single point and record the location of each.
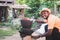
(37, 5)
(20, 1)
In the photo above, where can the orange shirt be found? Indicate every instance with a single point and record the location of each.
(53, 21)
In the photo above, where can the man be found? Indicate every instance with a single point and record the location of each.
(53, 22)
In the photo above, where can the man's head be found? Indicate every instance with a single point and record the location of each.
(45, 12)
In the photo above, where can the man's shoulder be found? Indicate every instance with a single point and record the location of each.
(52, 16)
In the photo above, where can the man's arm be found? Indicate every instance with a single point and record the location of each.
(48, 33)
(41, 21)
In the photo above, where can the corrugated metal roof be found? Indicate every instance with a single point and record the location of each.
(18, 6)
(7, 0)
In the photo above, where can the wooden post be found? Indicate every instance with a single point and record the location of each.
(14, 14)
(22, 12)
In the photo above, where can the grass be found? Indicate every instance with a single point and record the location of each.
(4, 33)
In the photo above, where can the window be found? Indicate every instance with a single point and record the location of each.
(2, 1)
(9, 2)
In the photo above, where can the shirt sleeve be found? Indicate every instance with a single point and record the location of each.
(51, 22)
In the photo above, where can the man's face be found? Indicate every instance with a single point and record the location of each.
(45, 14)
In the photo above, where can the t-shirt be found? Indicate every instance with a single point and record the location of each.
(53, 21)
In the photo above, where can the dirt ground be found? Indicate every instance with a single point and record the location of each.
(16, 36)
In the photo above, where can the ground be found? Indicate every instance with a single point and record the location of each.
(16, 36)
(13, 37)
